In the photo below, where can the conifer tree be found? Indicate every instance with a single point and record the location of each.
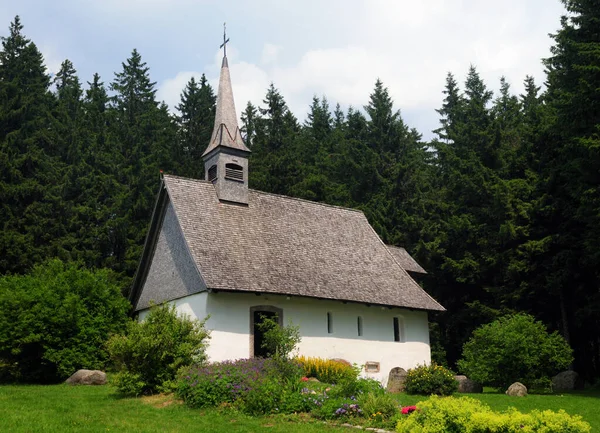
(145, 132)
(29, 166)
(571, 174)
(195, 124)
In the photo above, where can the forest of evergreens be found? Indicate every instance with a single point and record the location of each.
(502, 208)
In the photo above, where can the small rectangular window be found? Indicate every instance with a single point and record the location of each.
(396, 329)
(359, 326)
(329, 324)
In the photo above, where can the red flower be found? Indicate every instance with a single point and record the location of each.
(408, 409)
(304, 379)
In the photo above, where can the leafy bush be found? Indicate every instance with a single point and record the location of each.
(377, 405)
(430, 379)
(357, 387)
(514, 348)
(327, 370)
(279, 341)
(56, 320)
(149, 354)
(465, 414)
(330, 407)
(256, 386)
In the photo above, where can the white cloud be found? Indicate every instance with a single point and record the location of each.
(270, 53)
(409, 45)
(170, 89)
(52, 58)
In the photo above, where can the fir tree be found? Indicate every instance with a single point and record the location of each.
(195, 124)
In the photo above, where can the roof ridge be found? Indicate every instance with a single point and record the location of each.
(317, 203)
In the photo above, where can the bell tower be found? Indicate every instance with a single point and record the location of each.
(226, 157)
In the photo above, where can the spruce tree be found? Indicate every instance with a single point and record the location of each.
(145, 132)
(30, 169)
(195, 125)
(571, 171)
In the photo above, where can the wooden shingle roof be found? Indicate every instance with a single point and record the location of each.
(405, 260)
(289, 246)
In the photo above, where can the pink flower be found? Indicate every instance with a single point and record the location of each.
(304, 379)
(408, 409)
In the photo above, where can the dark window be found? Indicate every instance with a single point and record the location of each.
(234, 171)
(212, 173)
(359, 326)
(399, 329)
(329, 324)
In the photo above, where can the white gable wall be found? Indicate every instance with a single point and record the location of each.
(230, 325)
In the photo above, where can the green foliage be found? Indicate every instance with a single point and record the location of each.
(329, 407)
(255, 386)
(149, 354)
(465, 414)
(430, 379)
(280, 341)
(56, 320)
(378, 405)
(353, 387)
(514, 348)
(327, 370)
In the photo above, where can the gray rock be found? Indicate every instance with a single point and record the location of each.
(396, 379)
(517, 389)
(567, 381)
(87, 377)
(468, 386)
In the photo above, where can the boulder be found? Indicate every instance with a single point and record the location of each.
(517, 389)
(567, 381)
(468, 386)
(396, 379)
(87, 377)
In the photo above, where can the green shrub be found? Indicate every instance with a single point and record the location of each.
(514, 348)
(56, 320)
(255, 386)
(430, 379)
(327, 370)
(353, 388)
(279, 341)
(340, 408)
(465, 414)
(149, 354)
(378, 405)
(264, 397)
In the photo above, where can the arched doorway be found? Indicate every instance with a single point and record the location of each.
(257, 315)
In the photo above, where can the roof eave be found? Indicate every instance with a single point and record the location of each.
(345, 301)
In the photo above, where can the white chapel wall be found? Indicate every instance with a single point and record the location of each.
(230, 329)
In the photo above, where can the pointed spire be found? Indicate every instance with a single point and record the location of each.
(226, 131)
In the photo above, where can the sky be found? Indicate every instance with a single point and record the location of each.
(307, 48)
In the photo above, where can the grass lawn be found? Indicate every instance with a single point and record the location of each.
(584, 403)
(65, 408)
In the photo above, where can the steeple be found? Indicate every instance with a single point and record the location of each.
(226, 157)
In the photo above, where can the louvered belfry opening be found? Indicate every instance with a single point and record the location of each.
(212, 173)
(234, 172)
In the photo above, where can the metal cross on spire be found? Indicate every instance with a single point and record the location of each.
(225, 40)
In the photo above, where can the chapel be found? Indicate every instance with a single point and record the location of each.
(217, 248)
